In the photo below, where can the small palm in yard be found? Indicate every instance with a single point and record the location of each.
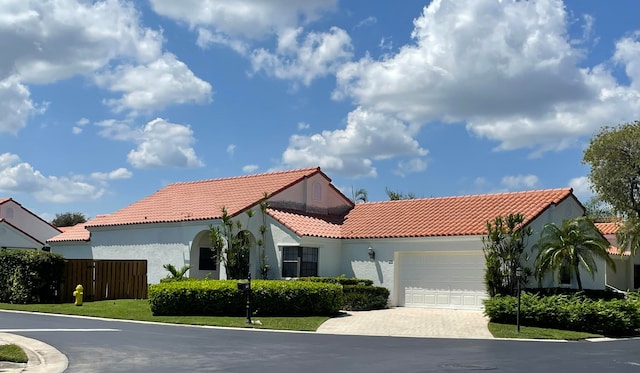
(573, 245)
(175, 273)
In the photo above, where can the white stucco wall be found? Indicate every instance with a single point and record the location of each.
(27, 222)
(356, 263)
(567, 209)
(314, 194)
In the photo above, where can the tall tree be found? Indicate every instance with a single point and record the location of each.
(503, 249)
(68, 219)
(614, 157)
(573, 245)
(599, 211)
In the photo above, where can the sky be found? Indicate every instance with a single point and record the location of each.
(104, 102)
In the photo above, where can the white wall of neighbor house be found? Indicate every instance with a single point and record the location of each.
(12, 238)
(27, 222)
(622, 277)
(567, 209)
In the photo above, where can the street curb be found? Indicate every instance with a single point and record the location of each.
(43, 358)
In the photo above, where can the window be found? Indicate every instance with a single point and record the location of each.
(299, 261)
(636, 276)
(565, 275)
(207, 260)
(316, 192)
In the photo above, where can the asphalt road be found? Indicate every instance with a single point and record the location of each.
(114, 346)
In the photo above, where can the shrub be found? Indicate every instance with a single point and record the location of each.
(572, 312)
(29, 276)
(221, 297)
(339, 280)
(364, 298)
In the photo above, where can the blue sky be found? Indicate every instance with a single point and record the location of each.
(105, 102)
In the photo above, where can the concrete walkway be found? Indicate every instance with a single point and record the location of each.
(411, 322)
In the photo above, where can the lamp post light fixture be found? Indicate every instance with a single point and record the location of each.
(372, 253)
(518, 278)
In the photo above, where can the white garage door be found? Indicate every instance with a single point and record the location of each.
(441, 280)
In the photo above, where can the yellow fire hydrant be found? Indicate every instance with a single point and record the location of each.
(78, 294)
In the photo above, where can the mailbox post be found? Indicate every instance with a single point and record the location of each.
(245, 286)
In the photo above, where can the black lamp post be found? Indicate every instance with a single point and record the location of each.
(245, 286)
(518, 277)
(248, 320)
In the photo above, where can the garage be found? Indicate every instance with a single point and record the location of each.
(440, 279)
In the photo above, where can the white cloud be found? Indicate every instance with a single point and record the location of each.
(48, 41)
(368, 136)
(303, 126)
(250, 168)
(628, 54)
(206, 38)
(581, 187)
(252, 19)
(45, 41)
(118, 130)
(164, 144)
(77, 129)
(15, 105)
(117, 174)
(371, 20)
(20, 177)
(520, 182)
(507, 69)
(413, 165)
(231, 148)
(154, 86)
(318, 55)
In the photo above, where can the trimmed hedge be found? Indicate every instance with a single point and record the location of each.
(570, 312)
(29, 276)
(364, 298)
(222, 298)
(339, 280)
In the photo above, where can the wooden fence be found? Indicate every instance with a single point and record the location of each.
(104, 279)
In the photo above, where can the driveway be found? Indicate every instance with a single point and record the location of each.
(411, 322)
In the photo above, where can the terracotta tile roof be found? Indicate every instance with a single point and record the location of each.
(309, 225)
(608, 228)
(3, 200)
(201, 200)
(75, 233)
(447, 216)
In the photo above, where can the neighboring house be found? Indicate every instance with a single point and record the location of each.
(427, 252)
(22, 229)
(627, 273)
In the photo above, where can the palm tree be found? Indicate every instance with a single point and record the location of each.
(359, 195)
(175, 273)
(569, 247)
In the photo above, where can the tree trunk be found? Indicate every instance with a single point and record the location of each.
(577, 270)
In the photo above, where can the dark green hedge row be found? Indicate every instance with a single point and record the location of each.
(29, 276)
(339, 280)
(222, 297)
(570, 312)
(364, 298)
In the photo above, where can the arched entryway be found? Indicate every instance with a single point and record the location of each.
(204, 262)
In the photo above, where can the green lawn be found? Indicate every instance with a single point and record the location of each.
(139, 310)
(529, 332)
(12, 353)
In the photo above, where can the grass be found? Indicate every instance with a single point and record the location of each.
(139, 310)
(529, 332)
(13, 354)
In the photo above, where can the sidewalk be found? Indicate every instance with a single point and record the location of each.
(43, 358)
